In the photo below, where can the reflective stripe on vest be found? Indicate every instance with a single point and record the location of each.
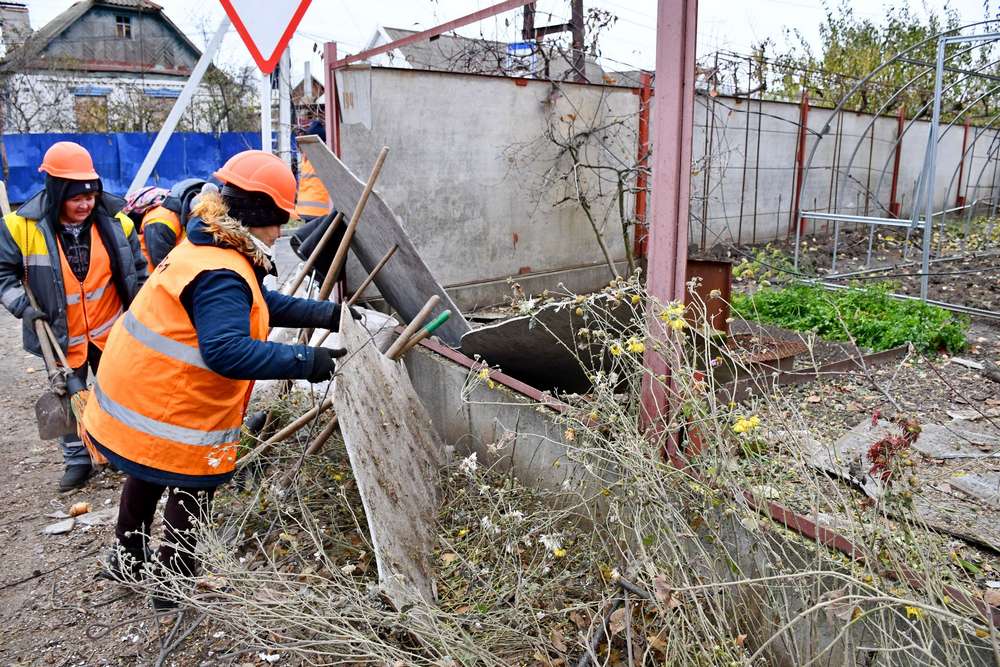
(312, 199)
(159, 215)
(197, 431)
(92, 306)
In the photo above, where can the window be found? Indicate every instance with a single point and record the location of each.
(123, 27)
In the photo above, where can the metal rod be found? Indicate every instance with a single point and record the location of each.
(433, 32)
(746, 153)
(266, 144)
(930, 168)
(955, 307)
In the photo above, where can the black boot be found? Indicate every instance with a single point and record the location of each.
(75, 476)
(123, 567)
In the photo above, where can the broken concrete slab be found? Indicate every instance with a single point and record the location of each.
(405, 282)
(395, 455)
(60, 527)
(984, 487)
(956, 441)
(542, 348)
(970, 519)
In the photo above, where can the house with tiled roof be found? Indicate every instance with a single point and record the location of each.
(100, 65)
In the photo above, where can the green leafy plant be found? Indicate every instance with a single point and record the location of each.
(870, 315)
(767, 265)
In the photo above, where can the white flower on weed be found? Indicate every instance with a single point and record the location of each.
(517, 515)
(527, 306)
(469, 465)
(484, 489)
(214, 462)
(551, 542)
(488, 525)
(270, 658)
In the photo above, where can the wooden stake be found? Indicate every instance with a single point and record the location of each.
(425, 332)
(411, 328)
(371, 276)
(364, 285)
(314, 255)
(345, 244)
(285, 433)
(317, 444)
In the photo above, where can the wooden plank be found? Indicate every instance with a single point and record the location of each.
(395, 455)
(405, 282)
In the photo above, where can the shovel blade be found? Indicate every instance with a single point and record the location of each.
(54, 416)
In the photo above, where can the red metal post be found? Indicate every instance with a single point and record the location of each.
(641, 236)
(894, 205)
(959, 197)
(800, 165)
(332, 111)
(673, 120)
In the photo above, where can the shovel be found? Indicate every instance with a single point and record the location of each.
(53, 411)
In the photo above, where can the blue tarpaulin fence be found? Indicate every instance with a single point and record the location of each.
(117, 157)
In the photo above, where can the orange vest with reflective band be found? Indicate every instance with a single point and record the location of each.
(155, 401)
(312, 199)
(159, 215)
(92, 306)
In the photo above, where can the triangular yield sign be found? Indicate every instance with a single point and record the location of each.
(265, 27)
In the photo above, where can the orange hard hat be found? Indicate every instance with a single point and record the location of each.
(258, 171)
(65, 159)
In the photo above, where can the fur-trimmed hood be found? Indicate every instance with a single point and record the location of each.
(210, 217)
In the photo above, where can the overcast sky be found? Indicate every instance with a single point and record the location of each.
(722, 24)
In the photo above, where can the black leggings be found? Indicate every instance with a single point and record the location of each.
(183, 508)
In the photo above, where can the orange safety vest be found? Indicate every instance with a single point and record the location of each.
(196, 431)
(93, 305)
(312, 199)
(159, 215)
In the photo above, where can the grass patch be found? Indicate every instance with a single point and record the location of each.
(873, 318)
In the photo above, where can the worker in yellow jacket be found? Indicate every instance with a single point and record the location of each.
(198, 332)
(82, 263)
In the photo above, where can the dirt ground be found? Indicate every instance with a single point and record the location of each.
(53, 610)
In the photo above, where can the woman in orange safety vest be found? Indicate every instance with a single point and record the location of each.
(81, 262)
(198, 330)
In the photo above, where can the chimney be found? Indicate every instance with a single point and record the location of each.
(14, 25)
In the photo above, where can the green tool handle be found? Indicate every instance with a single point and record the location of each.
(427, 330)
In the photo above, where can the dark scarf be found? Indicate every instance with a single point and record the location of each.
(77, 247)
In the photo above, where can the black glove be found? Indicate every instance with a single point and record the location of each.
(31, 314)
(335, 318)
(324, 364)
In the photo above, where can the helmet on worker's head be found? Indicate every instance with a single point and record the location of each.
(260, 172)
(69, 160)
